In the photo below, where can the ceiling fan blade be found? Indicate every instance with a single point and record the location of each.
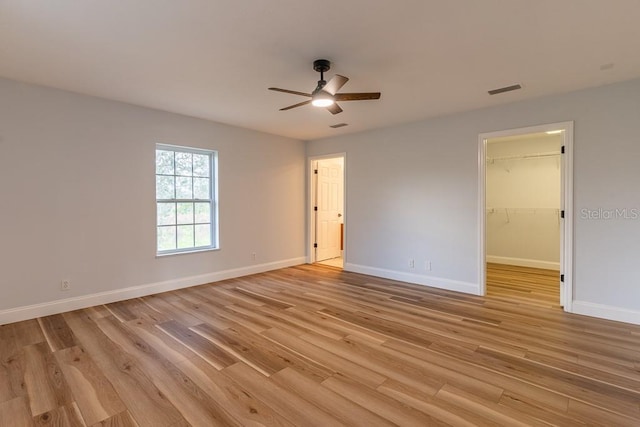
(299, 104)
(334, 109)
(356, 96)
(294, 92)
(335, 84)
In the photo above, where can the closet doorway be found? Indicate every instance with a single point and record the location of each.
(327, 210)
(525, 193)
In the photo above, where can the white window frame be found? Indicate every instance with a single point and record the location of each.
(213, 198)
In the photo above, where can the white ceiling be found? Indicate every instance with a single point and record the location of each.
(215, 59)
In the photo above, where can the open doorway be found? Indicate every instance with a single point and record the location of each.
(327, 210)
(525, 202)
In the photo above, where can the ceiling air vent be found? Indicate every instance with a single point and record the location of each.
(504, 89)
(339, 125)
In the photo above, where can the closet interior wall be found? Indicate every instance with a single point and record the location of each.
(523, 178)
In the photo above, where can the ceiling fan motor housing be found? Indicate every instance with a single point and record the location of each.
(321, 65)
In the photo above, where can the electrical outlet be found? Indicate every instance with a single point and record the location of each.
(65, 285)
(427, 265)
(412, 263)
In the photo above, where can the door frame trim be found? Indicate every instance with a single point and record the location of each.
(311, 196)
(566, 255)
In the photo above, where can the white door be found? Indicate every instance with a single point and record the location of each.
(329, 203)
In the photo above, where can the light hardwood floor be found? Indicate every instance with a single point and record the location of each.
(524, 285)
(313, 345)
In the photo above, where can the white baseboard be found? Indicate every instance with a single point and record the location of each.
(523, 262)
(606, 312)
(61, 306)
(419, 279)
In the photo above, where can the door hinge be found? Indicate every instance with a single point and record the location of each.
(315, 208)
(315, 245)
(315, 171)
(562, 149)
(562, 213)
(562, 278)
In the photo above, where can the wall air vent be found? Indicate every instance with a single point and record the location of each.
(339, 125)
(504, 89)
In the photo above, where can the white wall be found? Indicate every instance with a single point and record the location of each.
(523, 201)
(78, 200)
(412, 192)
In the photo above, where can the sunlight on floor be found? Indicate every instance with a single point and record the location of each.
(333, 262)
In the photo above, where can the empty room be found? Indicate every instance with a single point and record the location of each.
(295, 213)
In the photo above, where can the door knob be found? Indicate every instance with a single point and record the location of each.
(339, 215)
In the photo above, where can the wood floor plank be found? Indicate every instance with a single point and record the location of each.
(260, 353)
(203, 310)
(538, 411)
(379, 362)
(28, 332)
(597, 393)
(331, 361)
(163, 304)
(123, 419)
(385, 407)
(491, 410)
(347, 412)
(57, 332)
(172, 349)
(15, 413)
(44, 380)
(95, 396)
(196, 406)
(143, 399)
(204, 348)
(289, 404)
(11, 365)
(240, 401)
(316, 345)
(136, 309)
(432, 406)
(67, 416)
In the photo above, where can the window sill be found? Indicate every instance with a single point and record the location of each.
(186, 252)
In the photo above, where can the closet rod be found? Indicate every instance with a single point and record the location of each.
(525, 156)
(521, 210)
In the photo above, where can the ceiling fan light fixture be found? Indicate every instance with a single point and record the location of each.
(326, 95)
(322, 99)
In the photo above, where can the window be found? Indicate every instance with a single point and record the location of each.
(186, 208)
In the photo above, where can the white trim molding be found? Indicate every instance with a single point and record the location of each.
(60, 306)
(523, 262)
(606, 312)
(566, 250)
(418, 279)
(311, 194)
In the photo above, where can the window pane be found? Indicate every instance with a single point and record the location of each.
(203, 235)
(166, 213)
(164, 162)
(184, 163)
(164, 187)
(185, 213)
(166, 238)
(203, 213)
(184, 175)
(201, 164)
(201, 188)
(185, 236)
(184, 187)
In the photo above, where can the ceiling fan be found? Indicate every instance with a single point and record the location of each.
(325, 94)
